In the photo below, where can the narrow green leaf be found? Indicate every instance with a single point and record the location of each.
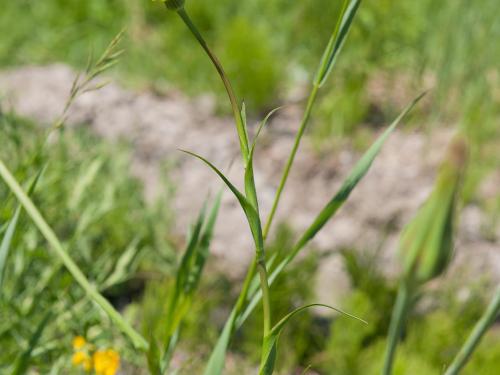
(84, 180)
(122, 265)
(270, 344)
(11, 228)
(248, 208)
(217, 359)
(137, 340)
(487, 320)
(174, 314)
(6, 242)
(250, 190)
(203, 246)
(358, 172)
(153, 357)
(337, 40)
(23, 361)
(243, 116)
(188, 276)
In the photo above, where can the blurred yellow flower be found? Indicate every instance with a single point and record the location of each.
(78, 342)
(79, 358)
(106, 362)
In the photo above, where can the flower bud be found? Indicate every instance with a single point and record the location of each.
(426, 244)
(174, 5)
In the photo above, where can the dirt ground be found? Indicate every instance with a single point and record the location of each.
(157, 127)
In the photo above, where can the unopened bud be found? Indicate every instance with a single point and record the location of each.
(174, 5)
(427, 241)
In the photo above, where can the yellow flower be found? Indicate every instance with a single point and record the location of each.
(79, 358)
(78, 342)
(106, 362)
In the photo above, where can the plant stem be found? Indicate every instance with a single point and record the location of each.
(475, 337)
(242, 133)
(259, 262)
(398, 318)
(291, 157)
(138, 341)
(266, 301)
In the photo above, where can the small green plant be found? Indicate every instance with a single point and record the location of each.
(248, 200)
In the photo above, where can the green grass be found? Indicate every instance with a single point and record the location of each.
(87, 195)
(78, 241)
(392, 39)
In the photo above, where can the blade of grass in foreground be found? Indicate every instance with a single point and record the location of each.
(489, 316)
(137, 340)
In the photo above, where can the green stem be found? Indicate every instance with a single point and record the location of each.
(138, 341)
(266, 301)
(243, 138)
(398, 318)
(242, 134)
(291, 158)
(475, 337)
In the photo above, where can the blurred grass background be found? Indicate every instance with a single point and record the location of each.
(269, 49)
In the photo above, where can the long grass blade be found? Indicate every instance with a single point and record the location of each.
(481, 327)
(137, 340)
(248, 208)
(337, 40)
(250, 190)
(217, 359)
(11, 228)
(188, 276)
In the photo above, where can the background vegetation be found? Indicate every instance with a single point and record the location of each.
(87, 194)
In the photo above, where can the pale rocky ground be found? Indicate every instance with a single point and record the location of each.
(383, 202)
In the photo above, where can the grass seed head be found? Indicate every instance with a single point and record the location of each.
(427, 241)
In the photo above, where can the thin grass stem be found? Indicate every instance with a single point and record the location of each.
(266, 300)
(475, 337)
(242, 133)
(259, 261)
(398, 319)
(291, 158)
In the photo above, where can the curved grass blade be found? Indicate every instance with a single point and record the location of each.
(11, 228)
(250, 189)
(270, 345)
(488, 318)
(217, 358)
(336, 41)
(122, 265)
(153, 357)
(137, 340)
(246, 205)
